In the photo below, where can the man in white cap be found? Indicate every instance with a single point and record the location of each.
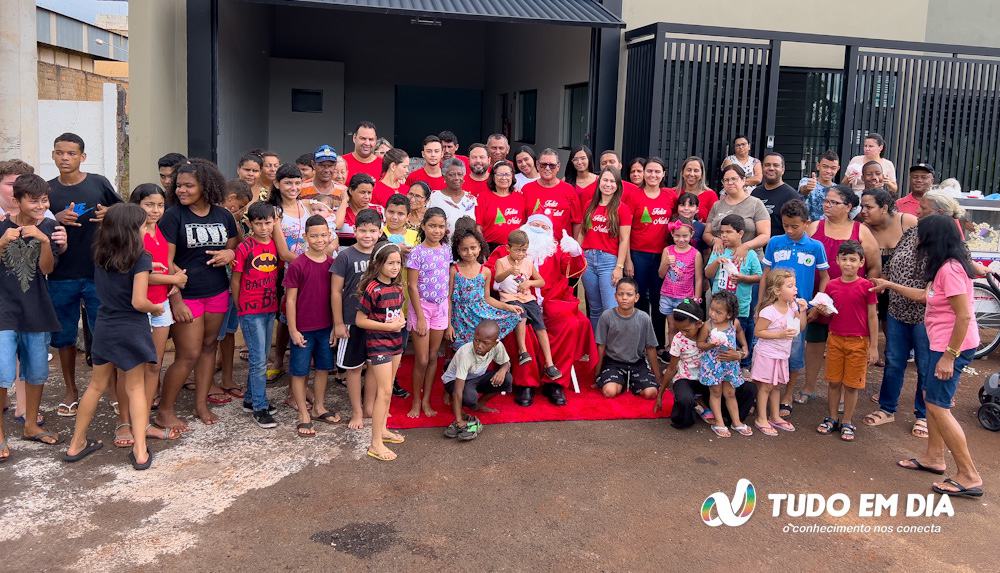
(570, 335)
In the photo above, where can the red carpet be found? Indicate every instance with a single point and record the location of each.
(589, 404)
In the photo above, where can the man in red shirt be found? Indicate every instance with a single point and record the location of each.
(609, 157)
(552, 197)
(921, 181)
(477, 170)
(449, 148)
(497, 147)
(430, 173)
(363, 158)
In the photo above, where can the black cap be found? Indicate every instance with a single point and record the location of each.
(922, 167)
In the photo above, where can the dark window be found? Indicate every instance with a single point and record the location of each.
(575, 109)
(307, 101)
(527, 103)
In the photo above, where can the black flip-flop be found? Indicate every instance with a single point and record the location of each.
(962, 490)
(328, 417)
(38, 438)
(92, 446)
(917, 466)
(304, 426)
(135, 463)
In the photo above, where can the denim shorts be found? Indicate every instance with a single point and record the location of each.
(942, 392)
(32, 349)
(797, 359)
(165, 320)
(230, 322)
(317, 350)
(667, 304)
(66, 297)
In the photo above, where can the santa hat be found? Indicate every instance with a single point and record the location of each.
(539, 218)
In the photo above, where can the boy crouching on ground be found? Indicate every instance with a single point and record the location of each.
(469, 376)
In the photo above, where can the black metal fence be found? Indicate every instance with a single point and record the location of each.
(690, 89)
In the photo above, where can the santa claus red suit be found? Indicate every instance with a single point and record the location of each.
(570, 335)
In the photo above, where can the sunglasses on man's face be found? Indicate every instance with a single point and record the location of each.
(548, 165)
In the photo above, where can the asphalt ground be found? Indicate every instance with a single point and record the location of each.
(587, 496)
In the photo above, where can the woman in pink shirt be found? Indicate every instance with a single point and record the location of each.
(953, 336)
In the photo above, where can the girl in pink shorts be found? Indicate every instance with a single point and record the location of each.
(780, 319)
(427, 273)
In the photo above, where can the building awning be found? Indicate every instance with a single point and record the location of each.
(587, 13)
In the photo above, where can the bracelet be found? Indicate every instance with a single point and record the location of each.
(952, 351)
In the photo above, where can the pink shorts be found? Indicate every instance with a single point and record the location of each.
(218, 304)
(769, 370)
(435, 313)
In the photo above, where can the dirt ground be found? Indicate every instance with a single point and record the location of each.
(585, 496)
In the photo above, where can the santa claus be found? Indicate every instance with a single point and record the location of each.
(570, 335)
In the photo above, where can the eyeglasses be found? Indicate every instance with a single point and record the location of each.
(831, 203)
(502, 175)
(416, 196)
(542, 165)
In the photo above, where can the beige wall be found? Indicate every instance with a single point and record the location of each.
(966, 22)
(158, 85)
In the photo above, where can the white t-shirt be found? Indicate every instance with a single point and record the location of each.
(467, 364)
(465, 207)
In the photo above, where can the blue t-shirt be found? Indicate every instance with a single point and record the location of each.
(803, 257)
(721, 282)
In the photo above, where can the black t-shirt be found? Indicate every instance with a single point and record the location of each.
(193, 236)
(774, 200)
(25, 305)
(78, 260)
(115, 288)
(350, 264)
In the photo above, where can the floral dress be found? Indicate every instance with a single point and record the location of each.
(713, 371)
(470, 308)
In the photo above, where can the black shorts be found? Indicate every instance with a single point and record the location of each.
(532, 313)
(817, 332)
(352, 351)
(635, 376)
(480, 385)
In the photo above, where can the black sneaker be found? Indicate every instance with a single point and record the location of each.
(552, 372)
(248, 408)
(524, 358)
(264, 419)
(398, 391)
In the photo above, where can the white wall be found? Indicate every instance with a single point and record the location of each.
(94, 121)
(245, 31)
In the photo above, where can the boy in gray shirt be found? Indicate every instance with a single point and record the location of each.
(626, 347)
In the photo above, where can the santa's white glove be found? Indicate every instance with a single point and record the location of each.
(569, 245)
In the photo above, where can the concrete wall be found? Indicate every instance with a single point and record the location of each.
(966, 22)
(19, 88)
(544, 58)
(94, 121)
(290, 133)
(158, 85)
(245, 31)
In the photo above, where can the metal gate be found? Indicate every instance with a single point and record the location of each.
(690, 89)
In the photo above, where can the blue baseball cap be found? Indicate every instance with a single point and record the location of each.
(325, 153)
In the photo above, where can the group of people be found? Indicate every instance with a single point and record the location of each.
(345, 259)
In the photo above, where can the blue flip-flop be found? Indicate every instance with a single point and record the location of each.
(143, 466)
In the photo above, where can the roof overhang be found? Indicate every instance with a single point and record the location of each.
(588, 13)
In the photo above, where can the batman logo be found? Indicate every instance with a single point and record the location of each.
(265, 262)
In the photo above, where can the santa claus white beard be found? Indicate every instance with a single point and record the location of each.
(541, 244)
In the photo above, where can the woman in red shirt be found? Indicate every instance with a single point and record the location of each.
(691, 179)
(604, 237)
(651, 212)
(395, 167)
(502, 210)
(580, 173)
